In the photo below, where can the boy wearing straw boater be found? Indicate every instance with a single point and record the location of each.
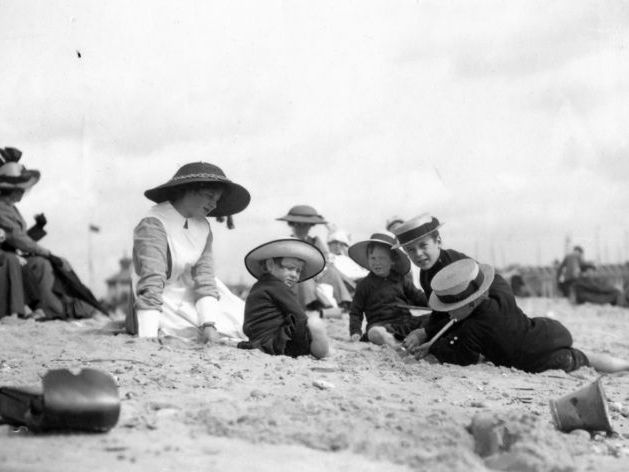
(488, 323)
(420, 239)
(275, 322)
(383, 297)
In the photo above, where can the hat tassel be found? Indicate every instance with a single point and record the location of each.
(230, 221)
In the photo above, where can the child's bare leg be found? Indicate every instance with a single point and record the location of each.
(320, 346)
(606, 363)
(379, 335)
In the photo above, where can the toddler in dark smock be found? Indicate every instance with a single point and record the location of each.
(384, 295)
(275, 321)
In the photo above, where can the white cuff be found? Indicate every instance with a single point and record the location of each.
(148, 323)
(207, 308)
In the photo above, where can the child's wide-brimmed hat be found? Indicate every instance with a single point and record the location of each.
(415, 229)
(358, 252)
(314, 260)
(393, 220)
(338, 236)
(303, 214)
(14, 175)
(234, 199)
(459, 283)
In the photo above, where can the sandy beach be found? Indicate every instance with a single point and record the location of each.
(190, 407)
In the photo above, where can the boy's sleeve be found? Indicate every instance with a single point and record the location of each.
(357, 309)
(414, 295)
(458, 347)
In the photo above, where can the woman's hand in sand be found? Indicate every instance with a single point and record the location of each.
(420, 351)
(355, 338)
(414, 339)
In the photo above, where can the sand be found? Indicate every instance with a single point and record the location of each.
(190, 407)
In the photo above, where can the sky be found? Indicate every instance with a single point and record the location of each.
(506, 120)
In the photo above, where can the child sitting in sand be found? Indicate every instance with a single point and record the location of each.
(275, 322)
(488, 322)
(384, 296)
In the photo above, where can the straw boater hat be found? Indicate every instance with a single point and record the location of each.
(416, 228)
(14, 175)
(358, 252)
(459, 283)
(303, 214)
(234, 199)
(314, 260)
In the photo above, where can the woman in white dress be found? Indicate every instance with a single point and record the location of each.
(175, 289)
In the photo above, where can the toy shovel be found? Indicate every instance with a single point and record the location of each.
(426, 346)
(65, 402)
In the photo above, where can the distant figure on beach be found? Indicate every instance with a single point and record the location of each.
(385, 296)
(328, 289)
(44, 292)
(275, 321)
(590, 287)
(175, 288)
(338, 242)
(569, 270)
(486, 321)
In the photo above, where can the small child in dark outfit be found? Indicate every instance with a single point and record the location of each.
(384, 295)
(275, 321)
(489, 323)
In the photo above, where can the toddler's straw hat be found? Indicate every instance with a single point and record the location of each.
(358, 252)
(314, 260)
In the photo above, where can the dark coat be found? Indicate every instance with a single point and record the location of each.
(272, 315)
(380, 300)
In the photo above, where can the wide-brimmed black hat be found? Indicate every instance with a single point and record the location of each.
(358, 252)
(314, 260)
(303, 214)
(14, 175)
(234, 199)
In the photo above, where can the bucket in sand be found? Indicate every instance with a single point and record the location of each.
(584, 409)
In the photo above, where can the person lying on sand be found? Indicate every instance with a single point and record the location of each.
(485, 321)
(275, 321)
(384, 295)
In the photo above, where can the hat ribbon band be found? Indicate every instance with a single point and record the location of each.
(416, 232)
(199, 176)
(472, 287)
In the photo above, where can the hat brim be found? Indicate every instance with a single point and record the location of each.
(26, 180)
(358, 253)
(314, 260)
(234, 199)
(488, 277)
(313, 220)
(417, 238)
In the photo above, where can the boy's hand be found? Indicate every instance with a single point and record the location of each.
(415, 339)
(355, 337)
(421, 351)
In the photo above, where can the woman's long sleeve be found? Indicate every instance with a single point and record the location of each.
(203, 273)
(150, 259)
